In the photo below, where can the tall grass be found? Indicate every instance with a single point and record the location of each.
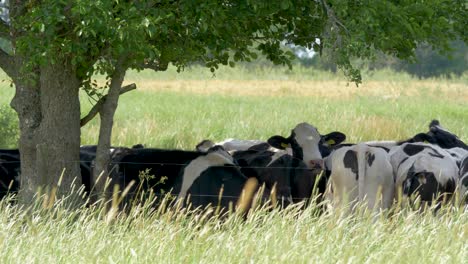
(58, 235)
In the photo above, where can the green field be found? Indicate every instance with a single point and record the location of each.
(173, 110)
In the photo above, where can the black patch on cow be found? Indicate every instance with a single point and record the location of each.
(444, 138)
(206, 188)
(10, 169)
(450, 186)
(325, 147)
(434, 122)
(464, 181)
(370, 159)
(278, 141)
(427, 190)
(401, 162)
(436, 155)
(425, 185)
(412, 150)
(297, 150)
(260, 147)
(382, 147)
(350, 162)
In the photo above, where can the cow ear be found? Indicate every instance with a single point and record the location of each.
(204, 145)
(423, 137)
(279, 142)
(334, 138)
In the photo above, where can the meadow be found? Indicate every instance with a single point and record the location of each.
(172, 110)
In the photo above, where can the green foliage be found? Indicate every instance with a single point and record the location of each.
(9, 131)
(392, 27)
(98, 36)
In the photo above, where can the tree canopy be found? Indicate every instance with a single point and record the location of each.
(154, 33)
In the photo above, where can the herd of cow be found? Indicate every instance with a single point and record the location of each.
(431, 165)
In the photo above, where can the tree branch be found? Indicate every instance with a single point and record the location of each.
(332, 17)
(98, 106)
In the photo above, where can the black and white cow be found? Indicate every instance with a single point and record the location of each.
(292, 164)
(424, 169)
(10, 168)
(362, 173)
(437, 135)
(463, 180)
(202, 180)
(444, 138)
(293, 180)
(307, 144)
(278, 161)
(198, 175)
(304, 142)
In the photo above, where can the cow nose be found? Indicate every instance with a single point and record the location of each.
(317, 164)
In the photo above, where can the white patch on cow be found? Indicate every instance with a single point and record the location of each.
(197, 166)
(308, 137)
(231, 145)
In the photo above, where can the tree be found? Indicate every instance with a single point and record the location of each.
(59, 45)
(430, 63)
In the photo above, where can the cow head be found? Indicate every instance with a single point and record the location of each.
(307, 144)
(443, 137)
(204, 145)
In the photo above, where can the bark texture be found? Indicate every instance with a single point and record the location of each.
(26, 103)
(59, 132)
(106, 114)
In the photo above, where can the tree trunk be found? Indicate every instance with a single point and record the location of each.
(27, 105)
(100, 172)
(58, 137)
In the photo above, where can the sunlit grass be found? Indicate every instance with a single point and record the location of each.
(144, 234)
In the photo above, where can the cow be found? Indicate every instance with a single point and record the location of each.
(292, 164)
(360, 174)
(304, 142)
(10, 168)
(458, 154)
(87, 160)
(424, 169)
(292, 179)
(198, 175)
(437, 135)
(463, 180)
(230, 145)
(444, 138)
(212, 178)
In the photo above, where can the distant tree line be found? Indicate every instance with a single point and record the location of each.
(427, 63)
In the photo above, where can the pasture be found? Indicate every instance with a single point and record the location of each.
(177, 111)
